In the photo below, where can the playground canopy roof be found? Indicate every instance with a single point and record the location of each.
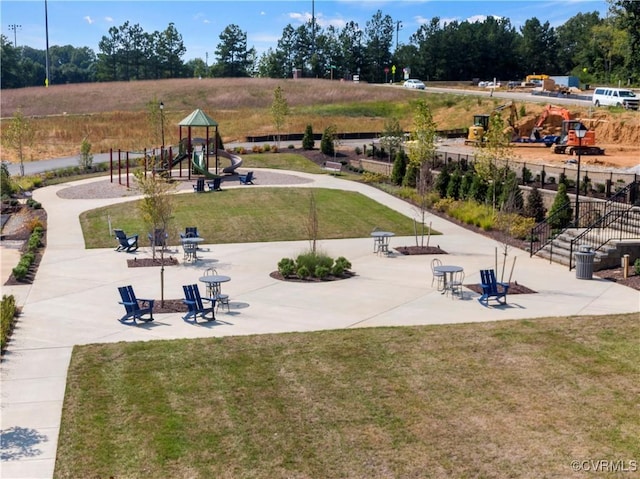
(198, 118)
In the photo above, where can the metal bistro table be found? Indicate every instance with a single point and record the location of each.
(381, 241)
(190, 247)
(213, 282)
(448, 270)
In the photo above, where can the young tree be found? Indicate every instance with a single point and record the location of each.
(392, 136)
(156, 209)
(18, 136)
(421, 147)
(86, 158)
(511, 200)
(494, 149)
(312, 222)
(279, 110)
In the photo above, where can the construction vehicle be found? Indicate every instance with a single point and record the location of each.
(536, 79)
(570, 143)
(478, 131)
(567, 141)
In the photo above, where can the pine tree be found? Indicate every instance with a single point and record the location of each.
(560, 214)
(535, 205)
(308, 143)
(399, 168)
(326, 143)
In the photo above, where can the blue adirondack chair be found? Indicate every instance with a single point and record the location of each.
(199, 186)
(491, 288)
(135, 308)
(246, 179)
(214, 185)
(126, 243)
(195, 305)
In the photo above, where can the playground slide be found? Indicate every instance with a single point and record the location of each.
(236, 161)
(199, 165)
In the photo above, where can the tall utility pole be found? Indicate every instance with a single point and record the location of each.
(398, 27)
(46, 55)
(14, 27)
(313, 26)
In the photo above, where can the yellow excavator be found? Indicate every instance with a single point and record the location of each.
(478, 131)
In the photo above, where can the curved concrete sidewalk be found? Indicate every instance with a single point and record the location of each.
(74, 301)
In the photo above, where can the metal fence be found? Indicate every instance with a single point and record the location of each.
(605, 182)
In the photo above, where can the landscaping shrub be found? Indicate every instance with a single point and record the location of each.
(343, 262)
(303, 272)
(313, 265)
(7, 319)
(20, 271)
(321, 272)
(370, 177)
(286, 267)
(515, 225)
(636, 266)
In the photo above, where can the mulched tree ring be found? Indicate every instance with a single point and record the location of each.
(148, 262)
(414, 250)
(295, 279)
(514, 288)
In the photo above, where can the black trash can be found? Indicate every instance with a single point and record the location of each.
(584, 262)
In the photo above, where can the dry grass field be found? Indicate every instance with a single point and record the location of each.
(114, 115)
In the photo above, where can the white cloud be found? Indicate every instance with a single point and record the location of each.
(88, 19)
(321, 20)
(108, 19)
(477, 18)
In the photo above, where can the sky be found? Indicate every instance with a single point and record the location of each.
(83, 23)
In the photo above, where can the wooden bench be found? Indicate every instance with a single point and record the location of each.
(333, 166)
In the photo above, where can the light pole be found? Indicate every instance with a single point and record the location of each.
(15, 27)
(398, 27)
(580, 133)
(162, 122)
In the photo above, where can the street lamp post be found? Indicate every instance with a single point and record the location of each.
(580, 133)
(162, 122)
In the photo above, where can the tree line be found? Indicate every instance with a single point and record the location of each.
(597, 50)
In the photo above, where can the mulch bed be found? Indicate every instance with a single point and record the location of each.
(295, 279)
(415, 250)
(148, 262)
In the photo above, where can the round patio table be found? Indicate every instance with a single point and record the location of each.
(448, 270)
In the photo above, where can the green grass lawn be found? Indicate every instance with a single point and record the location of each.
(254, 215)
(493, 400)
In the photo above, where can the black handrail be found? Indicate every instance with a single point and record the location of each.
(542, 233)
(591, 212)
(600, 232)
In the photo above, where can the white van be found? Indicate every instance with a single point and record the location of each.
(604, 96)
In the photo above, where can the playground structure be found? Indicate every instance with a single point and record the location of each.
(163, 161)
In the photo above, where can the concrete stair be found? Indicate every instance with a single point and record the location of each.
(607, 256)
